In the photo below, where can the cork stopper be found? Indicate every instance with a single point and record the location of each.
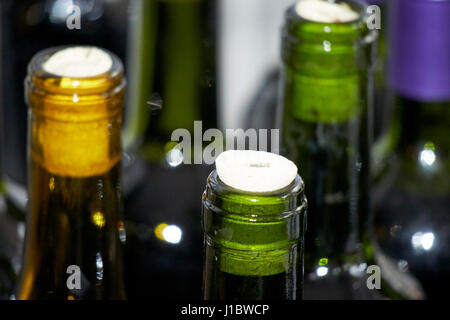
(255, 171)
(78, 62)
(326, 12)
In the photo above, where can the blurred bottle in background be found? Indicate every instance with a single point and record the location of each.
(385, 136)
(262, 109)
(27, 27)
(412, 199)
(172, 80)
(7, 273)
(9, 244)
(327, 101)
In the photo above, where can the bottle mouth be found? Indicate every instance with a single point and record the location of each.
(358, 7)
(331, 49)
(263, 207)
(349, 32)
(78, 62)
(327, 11)
(74, 98)
(102, 83)
(255, 171)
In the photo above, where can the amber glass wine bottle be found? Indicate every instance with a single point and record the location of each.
(74, 229)
(25, 28)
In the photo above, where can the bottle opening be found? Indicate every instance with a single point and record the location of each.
(255, 171)
(80, 70)
(326, 12)
(78, 62)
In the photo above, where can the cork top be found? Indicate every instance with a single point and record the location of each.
(255, 171)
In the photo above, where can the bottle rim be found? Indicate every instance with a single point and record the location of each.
(294, 23)
(296, 186)
(74, 99)
(359, 6)
(106, 83)
(268, 206)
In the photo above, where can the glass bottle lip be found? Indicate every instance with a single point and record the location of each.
(297, 26)
(356, 5)
(276, 205)
(295, 187)
(106, 83)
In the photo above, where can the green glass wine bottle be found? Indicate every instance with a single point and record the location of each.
(74, 230)
(172, 63)
(325, 121)
(253, 241)
(172, 77)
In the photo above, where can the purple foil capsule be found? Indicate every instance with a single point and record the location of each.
(419, 37)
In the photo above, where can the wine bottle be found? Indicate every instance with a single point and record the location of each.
(325, 119)
(30, 26)
(7, 273)
(27, 27)
(412, 223)
(384, 135)
(172, 84)
(253, 240)
(74, 228)
(10, 243)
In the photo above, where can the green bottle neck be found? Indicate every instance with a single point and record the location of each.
(252, 236)
(325, 67)
(172, 74)
(326, 98)
(257, 227)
